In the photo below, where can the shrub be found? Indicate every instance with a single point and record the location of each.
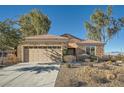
(81, 84)
(90, 65)
(72, 82)
(110, 62)
(82, 57)
(65, 52)
(119, 57)
(97, 79)
(69, 65)
(93, 58)
(75, 83)
(11, 58)
(105, 66)
(69, 58)
(113, 59)
(106, 58)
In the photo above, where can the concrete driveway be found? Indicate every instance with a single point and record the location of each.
(29, 75)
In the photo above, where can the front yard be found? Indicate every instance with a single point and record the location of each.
(91, 75)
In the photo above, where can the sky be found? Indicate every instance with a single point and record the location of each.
(68, 19)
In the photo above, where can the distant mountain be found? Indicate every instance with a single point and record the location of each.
(114, 53)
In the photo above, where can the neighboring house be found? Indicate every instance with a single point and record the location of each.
(49, 48)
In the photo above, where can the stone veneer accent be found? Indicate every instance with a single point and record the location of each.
(99, 50)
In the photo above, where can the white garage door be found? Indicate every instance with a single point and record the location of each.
(43, 54)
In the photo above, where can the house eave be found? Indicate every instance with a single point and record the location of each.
(91, 44)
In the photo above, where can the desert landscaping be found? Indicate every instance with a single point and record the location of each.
(91, 75)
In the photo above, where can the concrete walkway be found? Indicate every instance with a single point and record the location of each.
(29, 75)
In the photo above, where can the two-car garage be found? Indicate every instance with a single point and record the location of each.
(42, 49)
(42, 54)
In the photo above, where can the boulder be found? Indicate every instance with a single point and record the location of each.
(111, 76)
(69, 58)
(87, 60)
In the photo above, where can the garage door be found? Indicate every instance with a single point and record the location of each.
(42, 54)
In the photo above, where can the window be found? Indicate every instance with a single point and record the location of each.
(90, 50)
(49, 47)
(71, 51)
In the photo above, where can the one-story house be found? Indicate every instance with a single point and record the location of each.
(49, 48)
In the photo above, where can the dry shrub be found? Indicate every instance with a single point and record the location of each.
(113, 59)
(90, 65)
(109, 62)
(106, 58)
(69, 58)
(119, 57)
(11, 58)
(69, 65)
(116, 64)
(83, 57)
(98, 79)
(105, 67)
(75, 83)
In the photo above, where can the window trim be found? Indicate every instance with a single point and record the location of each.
(90, 49)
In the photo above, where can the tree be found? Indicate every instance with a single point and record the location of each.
(9, 36)
(103, 26)
(34, 23)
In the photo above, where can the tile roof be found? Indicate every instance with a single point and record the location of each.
(90, 42)
(72, 39)
(72, 45)
(69, 36)
(46, 37)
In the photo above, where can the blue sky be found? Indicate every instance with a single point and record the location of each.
(68, 19)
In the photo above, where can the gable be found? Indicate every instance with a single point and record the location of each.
(72, 39)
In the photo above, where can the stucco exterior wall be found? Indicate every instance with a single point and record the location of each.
(80, 51)
(19, 53)
(99, 50)
(20, 49)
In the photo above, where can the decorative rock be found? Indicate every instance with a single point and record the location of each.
(69, 58)
(111, 76)
(87, 60)
(120, 77)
